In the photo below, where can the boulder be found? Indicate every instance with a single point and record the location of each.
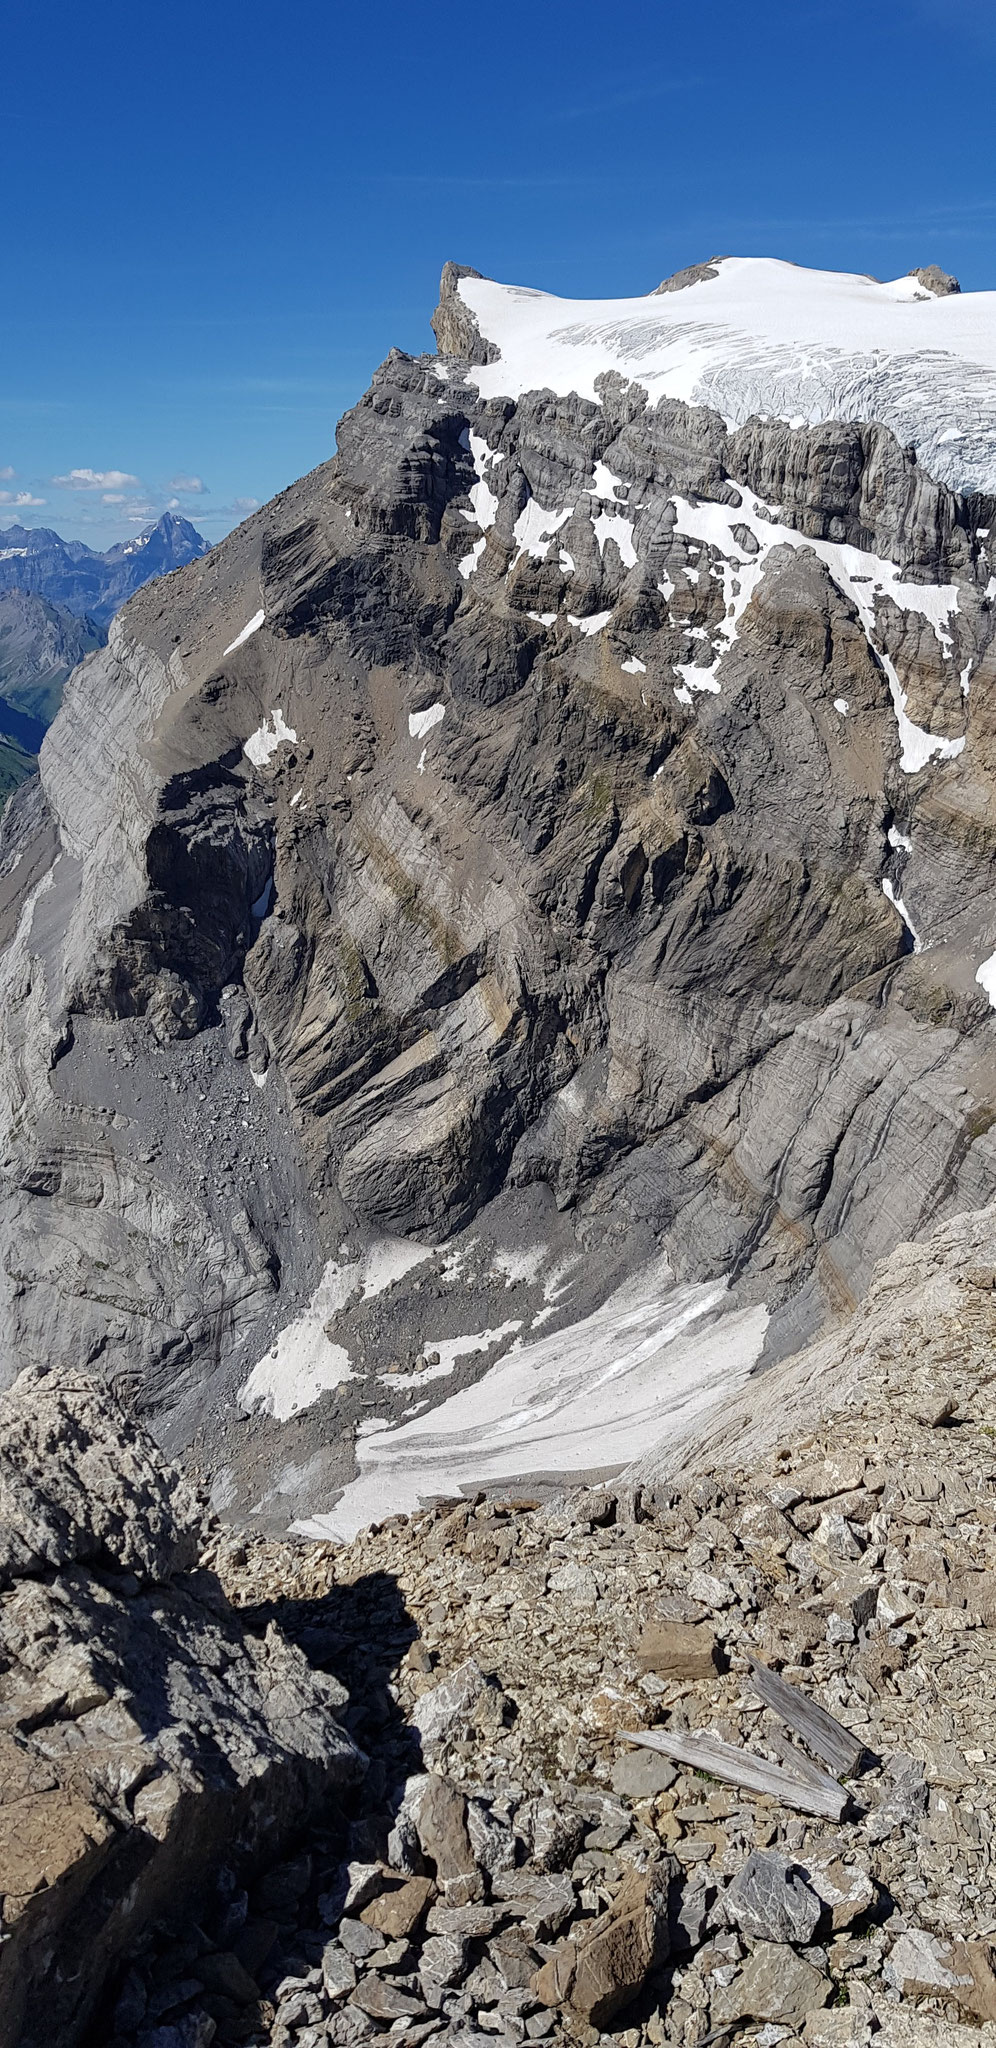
(770, 1900)
(441, 1821)
(599, 1972)
(675, 1649)
(397, 1913)
(775, 1985)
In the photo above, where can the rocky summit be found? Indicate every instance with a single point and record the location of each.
(531, 882)
(498, 1213)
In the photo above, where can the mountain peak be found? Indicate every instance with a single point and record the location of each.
(83, 581)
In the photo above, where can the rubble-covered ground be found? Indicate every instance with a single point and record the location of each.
(515, 1870)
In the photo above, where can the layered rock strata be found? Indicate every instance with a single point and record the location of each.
(556, 834)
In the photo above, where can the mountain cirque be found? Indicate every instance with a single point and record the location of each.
(504, 943)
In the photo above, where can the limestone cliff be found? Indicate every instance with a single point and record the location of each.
(533, 878)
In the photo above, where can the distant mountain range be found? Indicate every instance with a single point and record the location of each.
(57, 598)
(74, 576)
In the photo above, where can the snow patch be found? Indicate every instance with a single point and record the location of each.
(468, 563)
(986, 978)
(247, 631)
(613, 526)
(607, 486)
(592, 624)
(264, 742)
(633, 667)
(421, 722)
(534, 529)
(304, 1362)
(598, 1394)
(898, 904)
(861, 577)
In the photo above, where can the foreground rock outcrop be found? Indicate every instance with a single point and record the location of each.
(145, 1736)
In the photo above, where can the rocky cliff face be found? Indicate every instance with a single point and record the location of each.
(506, 944)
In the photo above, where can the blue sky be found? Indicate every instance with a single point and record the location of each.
(219, 217)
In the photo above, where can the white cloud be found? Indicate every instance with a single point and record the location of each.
(191, 485)
(113, 498)
(6, 474)
(17, 497)
(94, 480)
(245, 504)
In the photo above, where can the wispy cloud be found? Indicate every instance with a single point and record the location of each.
(17, 497)
(94, 480)
(191, 486)
(238, 508)
(6, 473)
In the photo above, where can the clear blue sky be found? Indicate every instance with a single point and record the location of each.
(219, 216)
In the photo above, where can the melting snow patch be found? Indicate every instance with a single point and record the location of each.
(614, 526)
(841, 704)
(265, 741)
(632, 667)
(241, 638)
(593, 624)
(468, 563)
(986, 978)
(600, 1393)
(304, 1362)
(451, 1350)
(696, 679)
(534, 529)
(900, 840)
(542, 618)
(567, 562)
(296, 798)
(860, 576)
(898, 904)
(421, 722)
(607, 486)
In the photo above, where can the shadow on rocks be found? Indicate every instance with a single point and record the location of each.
(219, 1963)
(359, 1634)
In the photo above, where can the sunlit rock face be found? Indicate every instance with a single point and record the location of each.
(506, 943)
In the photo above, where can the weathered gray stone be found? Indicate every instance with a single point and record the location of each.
(770, 1900)
(776, 1985)
(156, 1737)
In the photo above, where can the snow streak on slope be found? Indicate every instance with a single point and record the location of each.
(305, 1362)
(860, 576)
(595, 1395)
(770, 338)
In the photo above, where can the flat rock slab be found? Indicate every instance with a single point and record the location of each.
(397, 1913)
